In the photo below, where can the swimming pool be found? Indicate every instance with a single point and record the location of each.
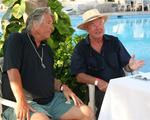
(1, 14)
(133, 31)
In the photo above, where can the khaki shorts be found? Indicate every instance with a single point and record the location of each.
(55, 109)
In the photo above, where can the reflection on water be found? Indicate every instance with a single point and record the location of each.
(133, 31)
(136, 28)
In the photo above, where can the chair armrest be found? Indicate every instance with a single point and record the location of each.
(7, 102)
(92, 96)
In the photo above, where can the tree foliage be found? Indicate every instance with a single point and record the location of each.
(13, 20)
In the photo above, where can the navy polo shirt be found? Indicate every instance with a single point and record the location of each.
(106, 65)
(20, 54)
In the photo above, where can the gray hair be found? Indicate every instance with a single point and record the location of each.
(37, 15)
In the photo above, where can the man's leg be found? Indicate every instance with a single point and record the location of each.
(9, 114)
(59, 109)
(39, 116)
(78, 113)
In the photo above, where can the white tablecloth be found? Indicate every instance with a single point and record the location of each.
(127, 98)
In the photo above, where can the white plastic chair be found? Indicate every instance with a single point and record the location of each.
(92, 97)
(2, 100)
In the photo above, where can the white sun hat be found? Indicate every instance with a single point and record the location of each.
(89, 16)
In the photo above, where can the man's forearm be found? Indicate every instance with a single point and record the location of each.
(85, 78)
(88, 79)
(16, 84)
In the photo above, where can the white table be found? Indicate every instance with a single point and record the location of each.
(127, 98)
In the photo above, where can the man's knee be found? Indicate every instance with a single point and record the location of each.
(87, 112)
(39, 116)
(80, 113)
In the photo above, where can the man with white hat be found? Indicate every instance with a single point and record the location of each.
(100, 57)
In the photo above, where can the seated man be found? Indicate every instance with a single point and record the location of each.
(100, 57)
(28, 74)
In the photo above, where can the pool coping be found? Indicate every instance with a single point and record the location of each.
(129, 13)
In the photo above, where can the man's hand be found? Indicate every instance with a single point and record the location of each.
(69, 94)
(23, 110)
(135, 64)
(102, 85)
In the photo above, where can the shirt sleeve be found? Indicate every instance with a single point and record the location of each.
(13, 52)
(123, 54)
(78, 64)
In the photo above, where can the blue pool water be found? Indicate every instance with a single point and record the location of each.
(1, 14)
(133, 31)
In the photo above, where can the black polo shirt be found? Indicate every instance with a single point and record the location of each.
(106, 65)
(37, 81)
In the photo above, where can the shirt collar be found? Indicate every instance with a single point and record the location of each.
(33, 40)
(87, 39)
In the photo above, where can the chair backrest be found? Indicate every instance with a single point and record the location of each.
(92, 97)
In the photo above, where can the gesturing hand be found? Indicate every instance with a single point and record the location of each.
(135, 64)
(69, 94)
(23, 110)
